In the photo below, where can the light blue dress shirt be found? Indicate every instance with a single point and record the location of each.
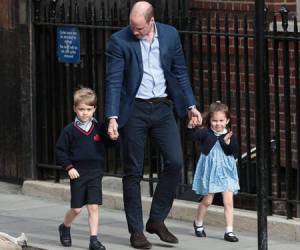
(153, 82)
(84, 125)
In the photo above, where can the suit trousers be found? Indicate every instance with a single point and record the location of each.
(156, 120)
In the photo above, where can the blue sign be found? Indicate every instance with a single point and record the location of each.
(68, 44)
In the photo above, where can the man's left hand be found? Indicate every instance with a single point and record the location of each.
(194, 113)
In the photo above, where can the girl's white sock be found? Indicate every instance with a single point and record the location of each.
(199, 223)
(229, 229)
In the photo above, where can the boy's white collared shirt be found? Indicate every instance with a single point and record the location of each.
(84, 125)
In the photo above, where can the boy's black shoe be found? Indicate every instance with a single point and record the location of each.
(231, 237)
(199, 231)
(96, 245)
(64, 236)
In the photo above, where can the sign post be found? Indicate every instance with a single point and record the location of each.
(261, 124)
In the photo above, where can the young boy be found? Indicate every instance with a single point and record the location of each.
(80, 151)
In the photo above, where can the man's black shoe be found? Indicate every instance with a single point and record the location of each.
(199, 231)
(64, 236)
(231, 237)
(96, 245)
(162, 231)
(138, 240)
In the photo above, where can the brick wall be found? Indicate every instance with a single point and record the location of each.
(240, 8)
(6, 14)
(240, 5)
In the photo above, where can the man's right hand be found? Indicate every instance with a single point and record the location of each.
(112, 129)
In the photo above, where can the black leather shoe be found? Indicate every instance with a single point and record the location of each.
(138, 240)
(162, 231)
(199, 231)
(96, 245)
(231, 237)
(64, 236)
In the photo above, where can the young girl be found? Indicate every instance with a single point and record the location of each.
(216, 168)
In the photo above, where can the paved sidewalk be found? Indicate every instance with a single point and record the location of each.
(39, 218)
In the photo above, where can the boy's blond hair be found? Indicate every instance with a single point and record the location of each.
(85, 95)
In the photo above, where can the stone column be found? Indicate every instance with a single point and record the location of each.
(17, 153)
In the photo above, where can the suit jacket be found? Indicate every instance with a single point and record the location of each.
(124, 71)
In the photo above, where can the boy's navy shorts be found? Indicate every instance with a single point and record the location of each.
(87, 189)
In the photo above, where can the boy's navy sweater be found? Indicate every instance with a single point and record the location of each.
(80, 149)
(207, 140)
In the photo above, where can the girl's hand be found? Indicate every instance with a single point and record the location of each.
(195, 115)
(193, 122)
(227, 137)
(73, 173)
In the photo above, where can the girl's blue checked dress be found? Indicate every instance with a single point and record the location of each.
(216, 172)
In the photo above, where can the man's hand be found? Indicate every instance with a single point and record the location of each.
(227, 137)
(73, 173)
(195, 116)
(193, 123)
(112, 129)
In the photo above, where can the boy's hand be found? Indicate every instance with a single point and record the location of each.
(227, 137)
(73, 173)
(112, 129)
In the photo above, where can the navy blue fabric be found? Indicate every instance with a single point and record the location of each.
(85, 152)
(125, 70)
(80, 149)
(158, 121)
(87, 189)
(207, 140)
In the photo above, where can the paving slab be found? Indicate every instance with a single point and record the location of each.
(39, 218)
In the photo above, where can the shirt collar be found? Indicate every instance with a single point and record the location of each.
(219, 133)
(155, 30)
(155, 33)
(84, 124)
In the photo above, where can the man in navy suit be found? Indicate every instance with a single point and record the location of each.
(147, 77)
